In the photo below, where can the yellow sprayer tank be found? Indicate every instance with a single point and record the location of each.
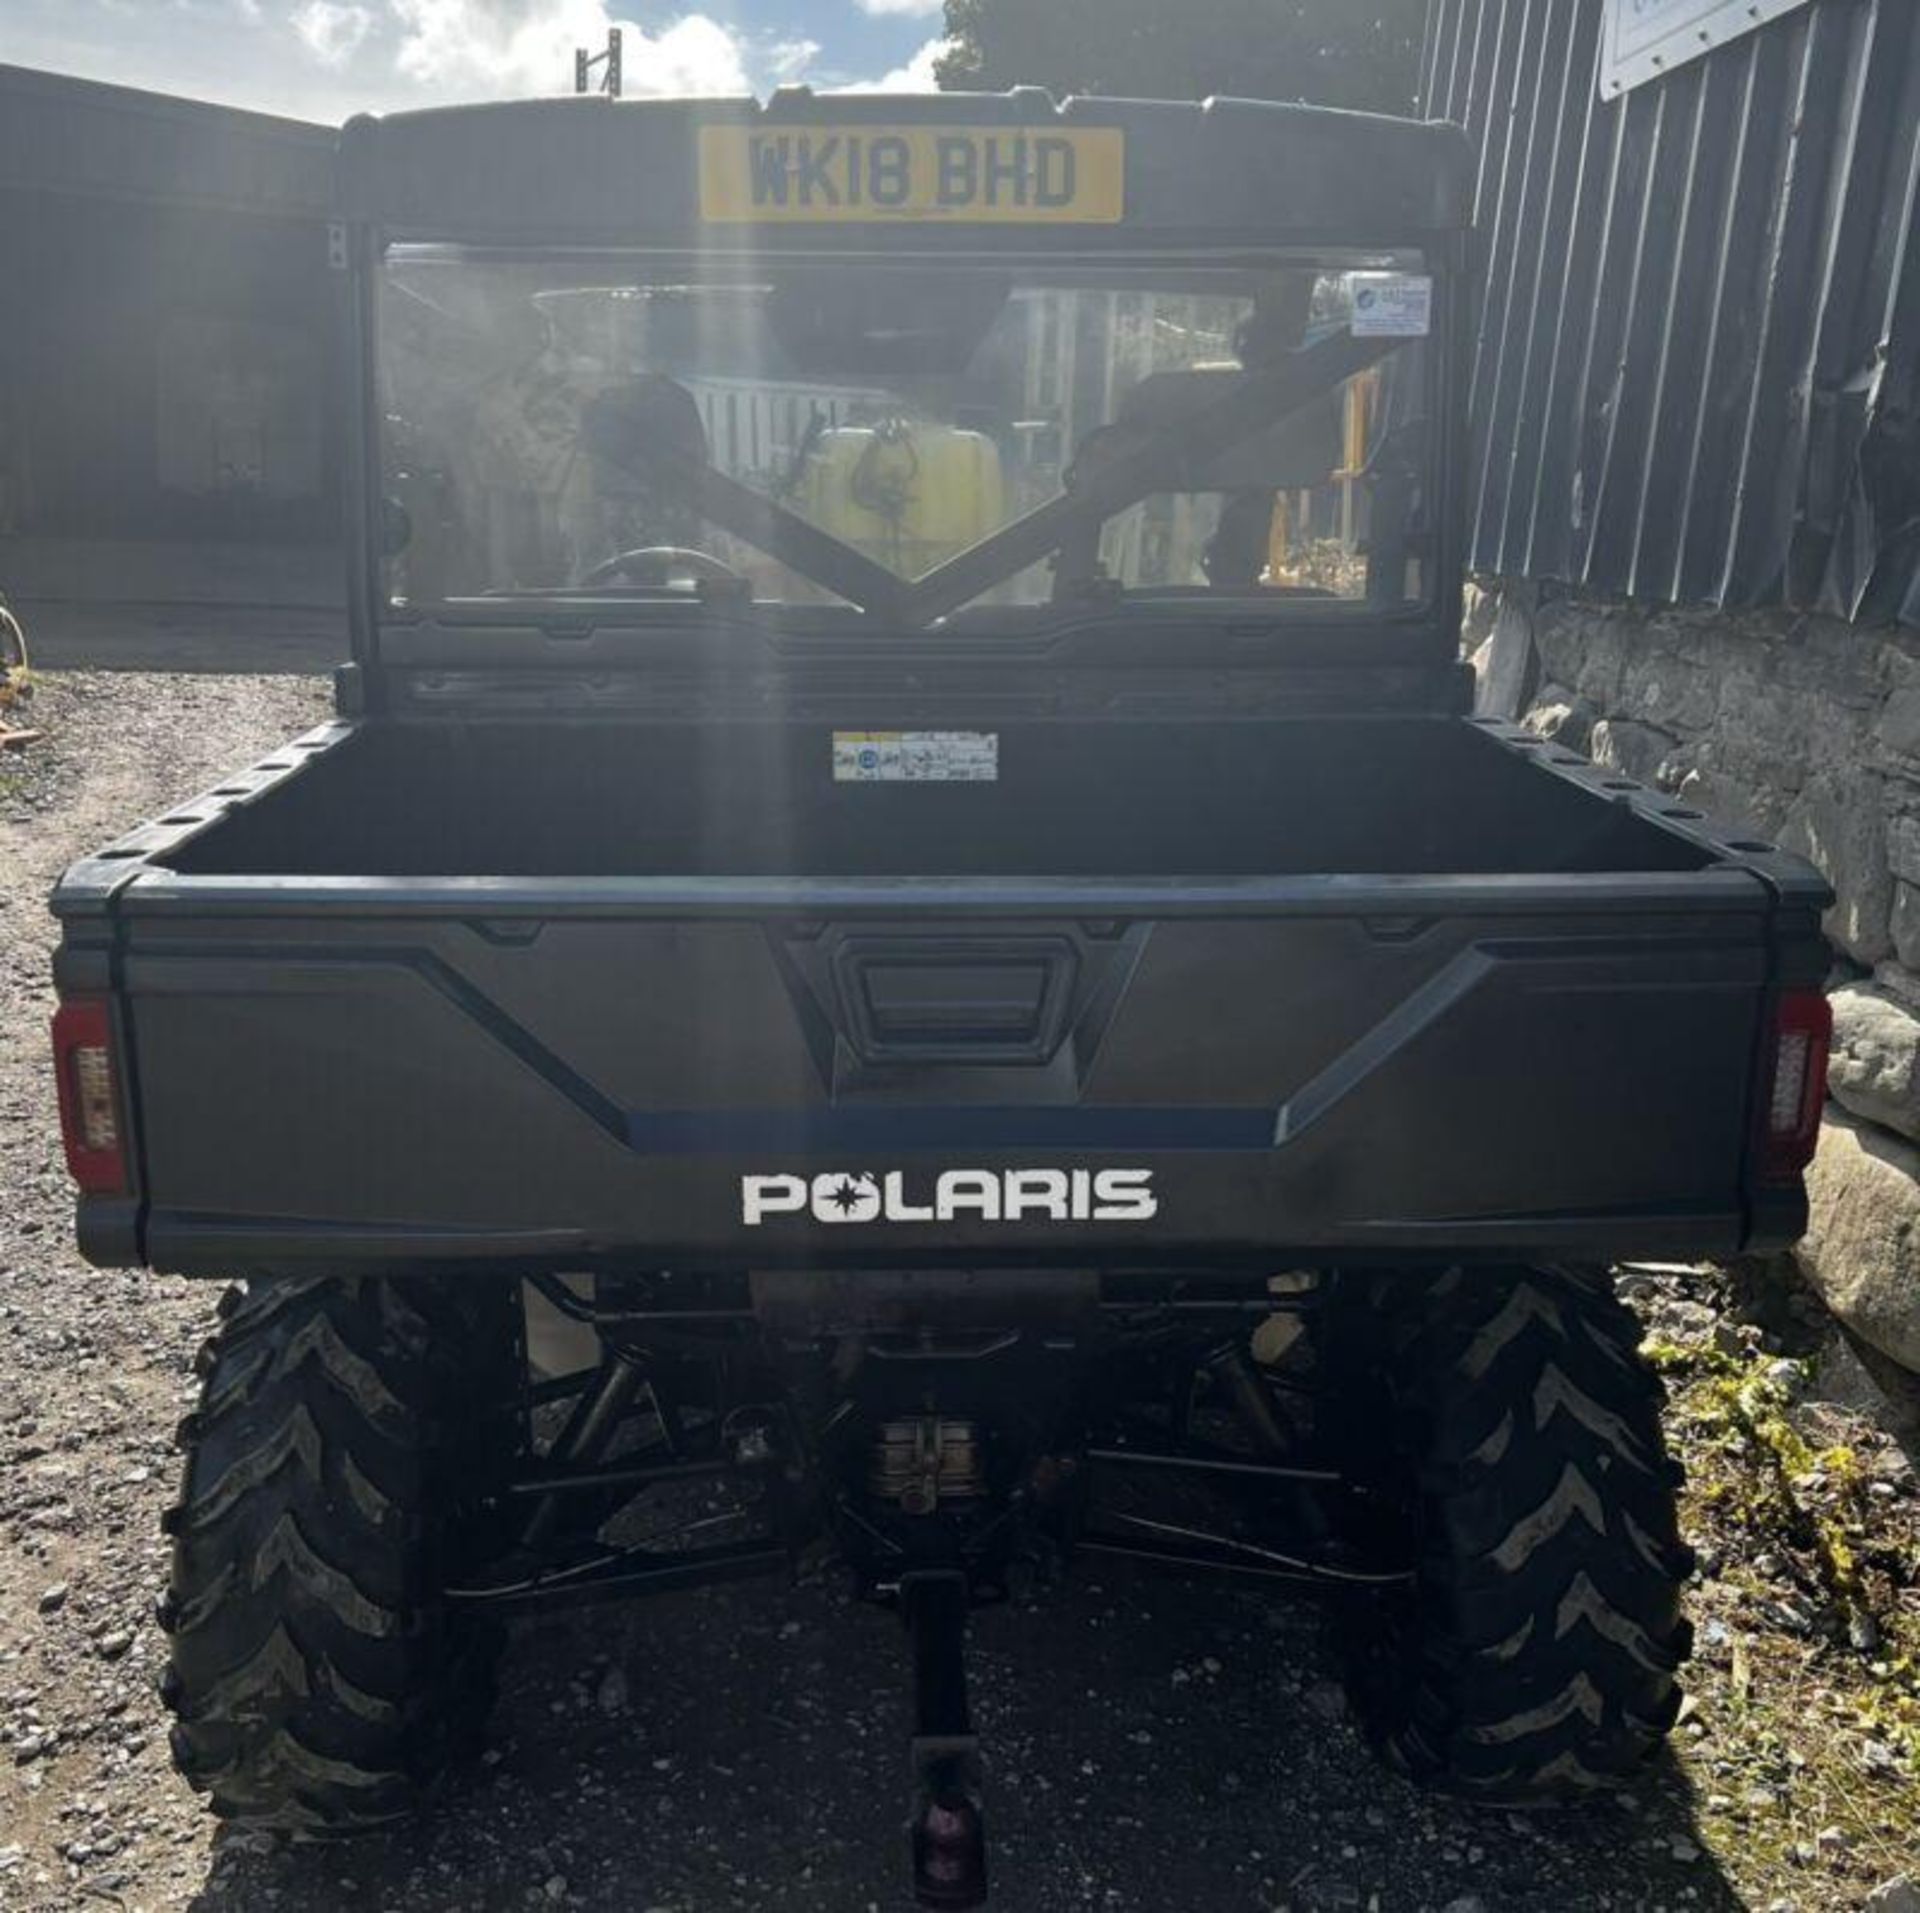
(909, 495)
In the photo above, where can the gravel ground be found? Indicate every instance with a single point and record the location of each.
(1152, 1744)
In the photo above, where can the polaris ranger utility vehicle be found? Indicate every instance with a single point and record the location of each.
(904, 944)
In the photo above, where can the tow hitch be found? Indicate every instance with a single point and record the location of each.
(948, 1830)
(731, 1427)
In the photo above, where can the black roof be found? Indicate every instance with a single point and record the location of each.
(599, 172)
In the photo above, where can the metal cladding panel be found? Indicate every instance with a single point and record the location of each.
(595, 172)
(75, 136)
(1695, 364)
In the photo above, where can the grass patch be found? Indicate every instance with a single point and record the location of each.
(1803, 1739)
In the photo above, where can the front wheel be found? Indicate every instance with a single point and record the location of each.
(334, 1475)
(1535, 1655)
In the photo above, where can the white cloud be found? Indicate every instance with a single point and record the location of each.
(917, 76)
(479, 49)
(323, 60)
(918, 9)
(788, 62)
(332, 33)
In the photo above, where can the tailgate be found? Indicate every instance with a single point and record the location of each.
(731, 1073)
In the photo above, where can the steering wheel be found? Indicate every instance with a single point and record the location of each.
(656, 566)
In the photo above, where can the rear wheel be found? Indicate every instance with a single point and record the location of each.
(335, 1471)
(1535, 1656)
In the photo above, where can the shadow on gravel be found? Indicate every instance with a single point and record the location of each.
(1151, 1744)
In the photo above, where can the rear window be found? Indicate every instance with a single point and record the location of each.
(918, 439)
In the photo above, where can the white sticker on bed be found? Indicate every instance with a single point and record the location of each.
(916, 757)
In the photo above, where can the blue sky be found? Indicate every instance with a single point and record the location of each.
(325, 59)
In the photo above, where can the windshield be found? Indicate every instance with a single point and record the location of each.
(917, 440)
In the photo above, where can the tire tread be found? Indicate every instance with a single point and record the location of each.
(1537, 1657)
(319, 1683)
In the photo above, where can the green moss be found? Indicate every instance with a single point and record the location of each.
(1786, 1715)
(1682, 1360)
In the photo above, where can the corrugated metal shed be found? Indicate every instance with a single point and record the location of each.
(77, 136)
(165, 311)
(1697, 358)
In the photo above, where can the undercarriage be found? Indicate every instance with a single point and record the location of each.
(382, 1467)
(948, 1438)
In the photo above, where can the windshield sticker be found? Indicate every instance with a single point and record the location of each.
(1392, 305)
(916, 757)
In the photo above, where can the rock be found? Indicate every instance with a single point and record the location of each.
(1468, 1903)
(1902, 985)
(1903, 846)
(612, 1696)
(1905, 925)
(1899, 725)
(1507, 666)
(1895, 1387)
(1898, 1895)
(1637, 750)
(1328, 1700)
(1839, 822)
(1785, 1377)
(1479, 607)
(1875, 1071)
(1854, 1376)
(1677, 1318)
(53, 1599)
(1832, 1841)
(113, 1645)
(1862, 1247)
(1562, 717)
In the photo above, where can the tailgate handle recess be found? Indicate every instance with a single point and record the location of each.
(955, 999)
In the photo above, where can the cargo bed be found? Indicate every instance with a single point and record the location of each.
(1350, 987)
(1402, 796)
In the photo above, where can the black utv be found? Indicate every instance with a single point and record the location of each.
(905, 944)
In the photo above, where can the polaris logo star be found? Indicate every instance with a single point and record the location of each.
(1014, 1195)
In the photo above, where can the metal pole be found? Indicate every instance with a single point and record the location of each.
(947, 1831)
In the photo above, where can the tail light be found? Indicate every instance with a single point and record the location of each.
(90, 1103)
(1796, 1084)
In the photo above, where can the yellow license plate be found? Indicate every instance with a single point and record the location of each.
(820, 175)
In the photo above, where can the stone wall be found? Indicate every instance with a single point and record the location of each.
(1805, 731)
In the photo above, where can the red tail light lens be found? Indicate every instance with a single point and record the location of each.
(1797, 1085)
(90, 1103)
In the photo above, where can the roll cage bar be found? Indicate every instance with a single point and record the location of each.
(1252, 405)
